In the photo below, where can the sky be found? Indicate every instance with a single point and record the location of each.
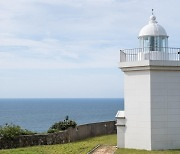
(70, 48)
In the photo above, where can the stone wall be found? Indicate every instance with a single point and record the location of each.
(69, 135)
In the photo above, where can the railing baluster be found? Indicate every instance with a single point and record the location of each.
(172, 54)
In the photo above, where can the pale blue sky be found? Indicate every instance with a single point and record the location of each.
(70, 48)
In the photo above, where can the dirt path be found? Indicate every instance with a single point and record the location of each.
(105, 149)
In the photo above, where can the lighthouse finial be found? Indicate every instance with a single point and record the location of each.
(152, 17)
(152, 12)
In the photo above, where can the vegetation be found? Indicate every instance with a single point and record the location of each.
(80, 147)
(62, 125)
(9, 131)
(133, 151)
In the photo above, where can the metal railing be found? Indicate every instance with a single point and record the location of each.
(138, 54)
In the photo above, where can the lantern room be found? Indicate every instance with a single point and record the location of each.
(153, 36)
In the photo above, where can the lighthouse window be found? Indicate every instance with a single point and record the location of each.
(162, 44)
(152, 43)
(145, 44)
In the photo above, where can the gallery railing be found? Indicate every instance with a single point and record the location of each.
(138, 54)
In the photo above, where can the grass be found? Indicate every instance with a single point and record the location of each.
(133, 151)
(81, 147)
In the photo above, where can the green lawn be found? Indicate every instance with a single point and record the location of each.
(81, 147)
(132, 151)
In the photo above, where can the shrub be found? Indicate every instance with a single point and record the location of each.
(9, 131)
(62, 125)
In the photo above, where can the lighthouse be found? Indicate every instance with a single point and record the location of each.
(151, 116)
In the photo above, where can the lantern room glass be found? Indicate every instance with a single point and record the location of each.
(154, 43)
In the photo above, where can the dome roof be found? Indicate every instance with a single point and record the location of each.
(152, 29)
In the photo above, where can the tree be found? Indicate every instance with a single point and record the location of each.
(62, 125)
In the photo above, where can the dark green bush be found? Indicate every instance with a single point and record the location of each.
(9, 131)
(52, 130)
(62, 125)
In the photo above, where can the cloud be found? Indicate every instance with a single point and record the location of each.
(40, 36)
(72, 33)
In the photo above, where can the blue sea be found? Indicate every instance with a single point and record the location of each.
(39, 114)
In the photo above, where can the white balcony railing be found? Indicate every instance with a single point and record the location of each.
(138, 54)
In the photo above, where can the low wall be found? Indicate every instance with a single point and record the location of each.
(69, 135)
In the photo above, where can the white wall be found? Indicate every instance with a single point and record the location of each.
(165, 106)
(120, 137)
(137, 109)
(152, 104)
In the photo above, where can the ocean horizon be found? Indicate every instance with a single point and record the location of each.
(38, 114)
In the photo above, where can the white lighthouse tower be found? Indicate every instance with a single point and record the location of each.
(151, 116)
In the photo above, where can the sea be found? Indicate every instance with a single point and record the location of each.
(39, 114)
